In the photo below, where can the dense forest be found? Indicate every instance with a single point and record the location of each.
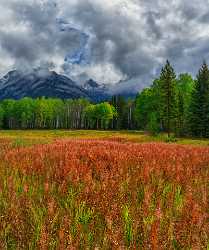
(178, 105)
(173, 104)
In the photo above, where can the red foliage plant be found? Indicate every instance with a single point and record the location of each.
(165, 187)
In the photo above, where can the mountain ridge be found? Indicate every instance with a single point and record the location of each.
(37, 83)
(42, 82)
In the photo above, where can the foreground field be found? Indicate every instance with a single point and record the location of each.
(107, 193)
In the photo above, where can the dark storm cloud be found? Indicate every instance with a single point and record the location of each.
(17, 46)
(128, 38)
(142, 41)
(34, 35)
(151, 18)
(205, 18)
(114, 28)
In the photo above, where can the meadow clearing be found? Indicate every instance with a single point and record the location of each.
(102, 190)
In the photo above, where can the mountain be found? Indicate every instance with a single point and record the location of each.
(97, 92)
(42, 82)
(37, 83)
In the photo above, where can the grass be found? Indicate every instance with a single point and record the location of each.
(30, 137)
(102, 190)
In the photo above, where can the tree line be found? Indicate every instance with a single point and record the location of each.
(173, 104)
(49, 113)
(52, 113)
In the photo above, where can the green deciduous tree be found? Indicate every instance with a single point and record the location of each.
(148, 102)
(185, 86)
(153, 124)
(10, 114)
(1, 116)
(100, 115)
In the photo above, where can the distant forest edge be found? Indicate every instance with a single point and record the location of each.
(176, 105)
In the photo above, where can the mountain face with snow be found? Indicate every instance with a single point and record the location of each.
(42, 82)
(37, 83)
(97, 92)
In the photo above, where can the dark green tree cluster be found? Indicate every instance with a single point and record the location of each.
(125, 113)
(199, 110)
(178, 105)
(51, 113)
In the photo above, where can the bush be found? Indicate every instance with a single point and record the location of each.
(171, 139)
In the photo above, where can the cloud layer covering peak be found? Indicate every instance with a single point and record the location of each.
(108, 41)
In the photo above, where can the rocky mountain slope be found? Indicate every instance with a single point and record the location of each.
(39, 83)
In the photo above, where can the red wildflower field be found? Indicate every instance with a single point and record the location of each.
(104, 194)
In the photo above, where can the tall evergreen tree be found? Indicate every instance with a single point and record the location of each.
(168, 97)
(199, 110)
(180, 114)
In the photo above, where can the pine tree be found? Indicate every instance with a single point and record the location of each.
(180, 114)
(168, 97)
(199, 110)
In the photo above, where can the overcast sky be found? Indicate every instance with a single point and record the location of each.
(107, 40)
